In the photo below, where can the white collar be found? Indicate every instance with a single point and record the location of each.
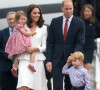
(10, 29)
(69, 19)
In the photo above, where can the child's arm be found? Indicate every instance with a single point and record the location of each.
(65, 69)
(27, 33)
(69, 60)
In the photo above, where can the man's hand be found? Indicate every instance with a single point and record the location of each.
(10, 57)
(69, 60)
(49, 66)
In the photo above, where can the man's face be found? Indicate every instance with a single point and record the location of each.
(10, 19)
(67, 9)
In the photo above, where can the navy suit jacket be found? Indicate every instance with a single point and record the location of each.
(5, 63)
(56, 46)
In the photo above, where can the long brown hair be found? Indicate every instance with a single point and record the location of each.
(17, 16)
(29, 20)
(92, 18)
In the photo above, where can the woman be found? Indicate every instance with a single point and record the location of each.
(28, 80)
(91, 23)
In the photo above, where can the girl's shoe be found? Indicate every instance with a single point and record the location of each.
(14, 72)
(31, 67)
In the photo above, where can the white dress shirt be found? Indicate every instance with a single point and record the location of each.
(64, 21)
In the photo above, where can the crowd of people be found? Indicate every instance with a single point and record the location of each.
(68, 45)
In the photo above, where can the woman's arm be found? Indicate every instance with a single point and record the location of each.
(42, 48)
(27, 33)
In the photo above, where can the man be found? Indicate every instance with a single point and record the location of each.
(8, 81)
(66, 35)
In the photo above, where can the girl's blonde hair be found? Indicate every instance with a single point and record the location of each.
(78, 55)
(17, 16)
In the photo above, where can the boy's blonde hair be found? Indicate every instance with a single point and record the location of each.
(78, 55)
(17, 16)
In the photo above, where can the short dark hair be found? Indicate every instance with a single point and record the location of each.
(29, 20)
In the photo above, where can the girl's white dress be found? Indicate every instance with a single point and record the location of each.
(34, 80)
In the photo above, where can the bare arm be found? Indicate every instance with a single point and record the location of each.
(27, 33)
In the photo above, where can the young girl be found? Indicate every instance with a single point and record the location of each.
(19, 41)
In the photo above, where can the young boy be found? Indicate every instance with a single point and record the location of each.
(79, 76)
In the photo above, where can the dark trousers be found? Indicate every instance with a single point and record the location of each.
(68, 85)
(8, 81)
(58, 77)
(79, 88)
(48, 77)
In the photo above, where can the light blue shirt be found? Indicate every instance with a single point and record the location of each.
(10, 30)
(78, 76)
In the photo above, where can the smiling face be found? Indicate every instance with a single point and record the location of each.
(22, 20)
(87, 13)
(67, 9)
(10, 19)
(35, 15)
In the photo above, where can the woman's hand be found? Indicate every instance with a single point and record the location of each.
(31, 50)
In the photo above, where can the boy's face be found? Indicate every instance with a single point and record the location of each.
(76, 63)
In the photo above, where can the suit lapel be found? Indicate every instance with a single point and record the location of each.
(61, 28)
(7, 33)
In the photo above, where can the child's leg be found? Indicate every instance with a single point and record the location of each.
(15, 65)
(32, 59)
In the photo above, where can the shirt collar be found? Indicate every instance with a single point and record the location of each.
(80, 67)
(10, 29)
(69, 19)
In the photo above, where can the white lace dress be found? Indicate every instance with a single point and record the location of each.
(34, 80)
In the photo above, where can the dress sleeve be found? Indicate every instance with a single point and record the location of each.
(19, 26)
(42, 48)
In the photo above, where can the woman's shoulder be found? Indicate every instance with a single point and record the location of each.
(44, 26)
(43, 29)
